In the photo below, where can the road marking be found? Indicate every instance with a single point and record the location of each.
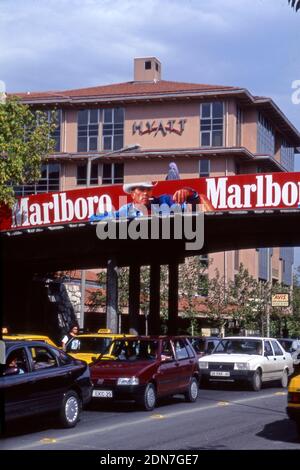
(223, 403)
(158, 416)
(48, 440)
(118, 426)
(280, 393)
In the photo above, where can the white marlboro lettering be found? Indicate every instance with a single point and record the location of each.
(234, 201)
(105, 204)
(265, 193)
(260, 191)
(20, 213)
(81, 208)
(216, 192)
(92, 201)
(46, 207)
(67, 208)
(35, 217)
(56, 208)
(248, 188)
(273, 192)
(290, 193)
(60, 209)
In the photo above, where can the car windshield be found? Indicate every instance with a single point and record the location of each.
(239, 346)
(198, 344)
(286, 344)
(91, 344)
(137, 350)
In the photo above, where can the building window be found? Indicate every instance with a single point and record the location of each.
(82, 174)
(265, 136)
(202, 288)
(287, 155)
(48, 182)
(88, 129)
(113, 129)
(239, 121)
(236, 260)
(148, 65)
(287, 258)
(113, 173)
(204, 168)
(211, 125)
(57, 116)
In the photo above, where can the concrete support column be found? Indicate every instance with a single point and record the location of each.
(173, 299)
(134, 298)
(112, 295)
(154, 309)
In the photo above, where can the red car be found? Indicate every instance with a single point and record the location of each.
(146, 368)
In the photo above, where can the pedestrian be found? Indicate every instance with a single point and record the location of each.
(73, 332)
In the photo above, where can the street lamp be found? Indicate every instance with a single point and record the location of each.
(127, 148)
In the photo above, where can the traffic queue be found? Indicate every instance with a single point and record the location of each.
(38, 377)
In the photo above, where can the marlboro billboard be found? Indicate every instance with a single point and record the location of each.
(230, 193)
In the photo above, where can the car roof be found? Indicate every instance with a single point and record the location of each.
(102, 335)
(248, 337)
(9, 343)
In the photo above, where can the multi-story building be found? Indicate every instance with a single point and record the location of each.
(208, 130)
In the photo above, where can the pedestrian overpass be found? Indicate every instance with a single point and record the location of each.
(32, 246)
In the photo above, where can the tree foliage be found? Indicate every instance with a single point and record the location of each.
(24, 140)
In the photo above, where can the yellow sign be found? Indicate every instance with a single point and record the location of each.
(280, 300)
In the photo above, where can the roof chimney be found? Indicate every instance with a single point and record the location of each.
(147, 69)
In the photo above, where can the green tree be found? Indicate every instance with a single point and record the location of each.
(193, 283)
(24, 140)
(217, 302)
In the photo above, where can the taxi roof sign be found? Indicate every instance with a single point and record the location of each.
(281, 299)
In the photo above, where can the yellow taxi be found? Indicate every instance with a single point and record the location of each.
(29, 337)
(293, 405)
(89, 346)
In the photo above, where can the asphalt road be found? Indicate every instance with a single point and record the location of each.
(222, 418)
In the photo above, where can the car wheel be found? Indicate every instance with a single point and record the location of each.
(70, 410)
(148, 400)
(191, 394)
(284, 379)
(256, 381)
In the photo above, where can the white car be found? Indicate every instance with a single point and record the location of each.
(247, 359)
(293, 347)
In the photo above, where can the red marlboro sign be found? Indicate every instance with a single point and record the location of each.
(242, 192)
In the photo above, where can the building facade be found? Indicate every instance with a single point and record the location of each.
(207, 130)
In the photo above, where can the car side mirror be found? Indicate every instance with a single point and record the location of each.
(166, 358)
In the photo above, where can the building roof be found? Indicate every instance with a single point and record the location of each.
(126, 88)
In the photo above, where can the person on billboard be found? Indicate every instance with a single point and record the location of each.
(143, 202)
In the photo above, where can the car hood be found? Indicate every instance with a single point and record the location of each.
(294, 385)
(86, 357)
(115, 369)
(230, 358)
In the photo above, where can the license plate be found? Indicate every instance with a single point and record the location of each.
(218, 373)
(102, 393)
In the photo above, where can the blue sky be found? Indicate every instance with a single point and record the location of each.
(61, 44)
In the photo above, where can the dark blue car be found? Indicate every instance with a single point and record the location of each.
(37, 378)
